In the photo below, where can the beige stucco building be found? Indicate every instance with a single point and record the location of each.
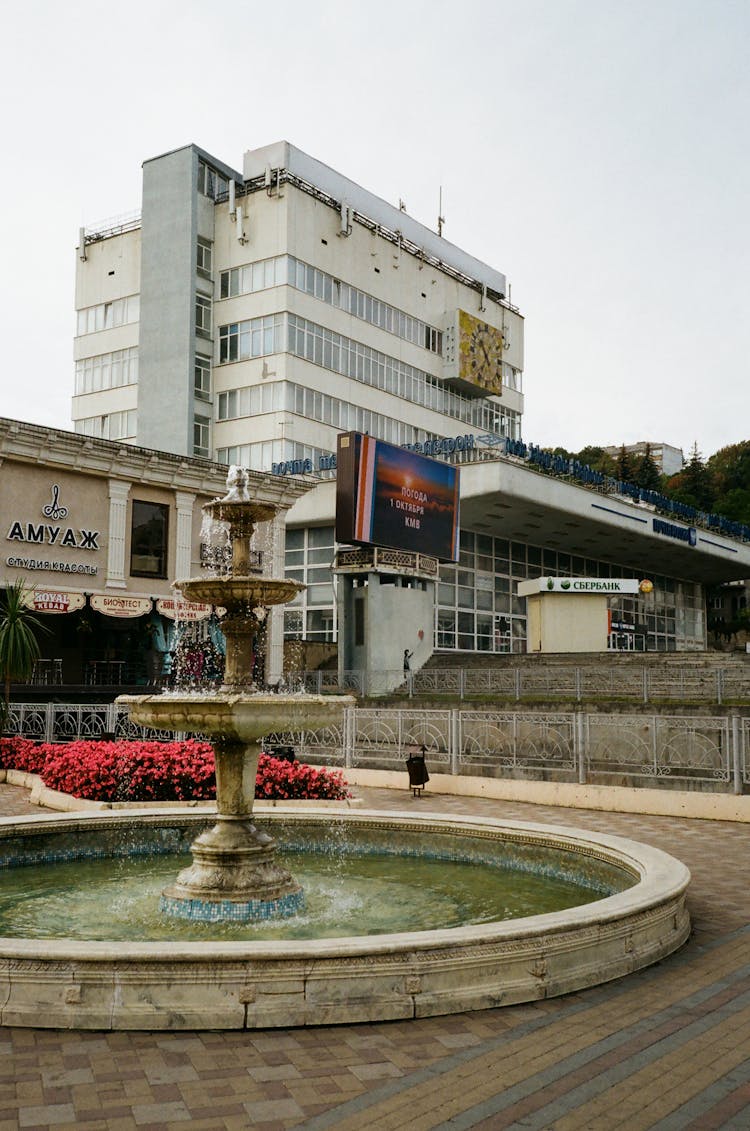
(97, 531)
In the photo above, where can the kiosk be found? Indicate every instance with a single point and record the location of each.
(570, 614)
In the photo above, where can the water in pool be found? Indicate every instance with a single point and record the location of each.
(117, 898)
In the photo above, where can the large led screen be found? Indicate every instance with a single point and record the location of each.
(387, 496)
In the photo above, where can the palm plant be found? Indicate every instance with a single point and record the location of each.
(19, 649)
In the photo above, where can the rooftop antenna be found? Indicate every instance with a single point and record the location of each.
(441, 218)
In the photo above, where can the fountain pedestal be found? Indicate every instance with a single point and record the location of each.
(234, 874)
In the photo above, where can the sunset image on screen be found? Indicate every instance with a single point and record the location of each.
(406, 501)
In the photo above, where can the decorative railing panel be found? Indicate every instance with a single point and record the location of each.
(490, 740)
(382, 739)
(435, 681)
(29, 720)
(603, 682)
(488, 681)
(324, 747)
(658, 746)
(735, 683)
(548, 682)
(67, 722)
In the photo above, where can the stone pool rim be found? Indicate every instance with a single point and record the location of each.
(234, 984)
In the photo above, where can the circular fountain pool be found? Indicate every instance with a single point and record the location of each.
(406, 916)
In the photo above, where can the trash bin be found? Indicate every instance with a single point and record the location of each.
(417, 770)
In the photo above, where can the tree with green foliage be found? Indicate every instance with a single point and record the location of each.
(730, 466)
(625, 469)
(598, 459)
(647, 475)
(693, 485)
(19, 648)
(729, 469)
(735, 504)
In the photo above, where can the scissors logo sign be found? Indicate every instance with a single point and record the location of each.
(53, 510)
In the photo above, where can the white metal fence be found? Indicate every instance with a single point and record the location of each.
(698, 752)
(648, 749)
(65, 722)
(645, 683)
(639, 683)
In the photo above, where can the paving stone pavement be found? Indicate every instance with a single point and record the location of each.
(666, 1049)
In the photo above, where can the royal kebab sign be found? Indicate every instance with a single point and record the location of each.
(54, 601)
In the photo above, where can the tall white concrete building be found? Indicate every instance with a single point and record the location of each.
(252, 316)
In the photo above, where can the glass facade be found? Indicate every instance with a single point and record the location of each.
(285, 269)
(477, 606)
(111, 426)
(107, 315)
(107, 371)
(260, 337)
(309, 557)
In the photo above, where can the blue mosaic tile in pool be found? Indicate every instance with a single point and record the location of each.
(213, 911)
(18, 851)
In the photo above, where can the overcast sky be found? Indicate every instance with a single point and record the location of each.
(596, 151)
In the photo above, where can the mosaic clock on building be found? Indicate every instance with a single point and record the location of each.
(480, 350)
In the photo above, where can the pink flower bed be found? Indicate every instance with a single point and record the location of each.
(157, 771)
(278, 780)
(22, 754)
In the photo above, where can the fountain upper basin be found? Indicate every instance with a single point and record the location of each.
(246, 591)
(241, 717)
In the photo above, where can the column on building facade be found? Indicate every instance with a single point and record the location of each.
(118, 521)
(275, 624)
(183, 543)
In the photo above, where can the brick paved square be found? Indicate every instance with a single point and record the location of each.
(387, 1077)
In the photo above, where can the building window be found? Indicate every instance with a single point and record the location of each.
(111, 426)
(204, 257)
(148, 539)
(201, 436)
(203, 316)
(211, 183)
(259, 276)
(309, 554)
(107, 315)
(107, 371)
(265, 273)
(257, 337)
(202, 374)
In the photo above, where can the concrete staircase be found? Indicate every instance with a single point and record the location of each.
(692, 660)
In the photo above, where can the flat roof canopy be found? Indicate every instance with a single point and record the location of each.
(506, 499)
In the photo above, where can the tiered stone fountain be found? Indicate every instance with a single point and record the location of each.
(234, 874)
(232, 980)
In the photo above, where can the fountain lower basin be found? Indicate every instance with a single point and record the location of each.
(223, 985)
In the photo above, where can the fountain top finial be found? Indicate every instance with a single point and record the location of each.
(237, 507)
(237, 480)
